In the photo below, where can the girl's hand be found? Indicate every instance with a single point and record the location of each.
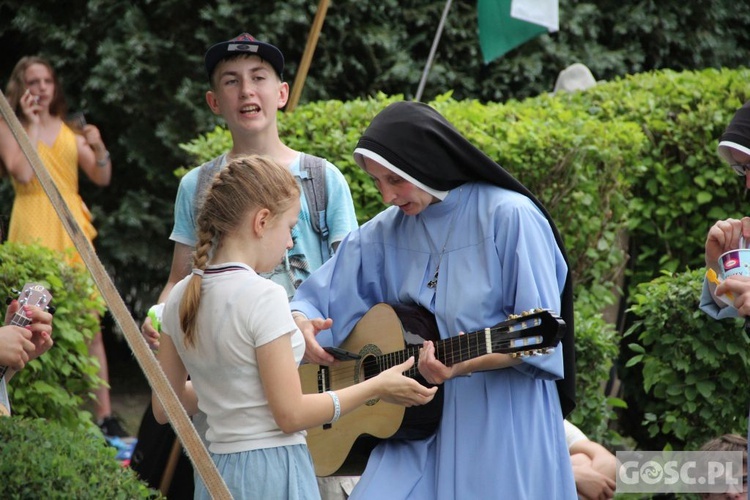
(401, 390)
(93, 138)
(30, 107)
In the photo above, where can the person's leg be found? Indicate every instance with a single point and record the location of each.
(102, 403)
(109, 424)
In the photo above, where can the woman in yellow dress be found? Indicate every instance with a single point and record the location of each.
(36, 96)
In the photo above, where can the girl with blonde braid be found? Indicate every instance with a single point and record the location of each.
(233, 332)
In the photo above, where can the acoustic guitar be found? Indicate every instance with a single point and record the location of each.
(388, 335)
(33, 294)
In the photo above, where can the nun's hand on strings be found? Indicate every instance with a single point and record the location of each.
(433, 370)
(310, 328)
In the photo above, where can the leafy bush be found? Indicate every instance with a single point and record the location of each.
(680, 187)
(596, 353)
(686, 378)
(43, 459)
(54, 385)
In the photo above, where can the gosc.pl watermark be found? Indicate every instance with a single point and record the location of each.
(679, 472)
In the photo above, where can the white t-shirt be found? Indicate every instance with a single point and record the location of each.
(239, 311)
(573, 434)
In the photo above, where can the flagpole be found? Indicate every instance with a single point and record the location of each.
(304, 65)
(433, 49)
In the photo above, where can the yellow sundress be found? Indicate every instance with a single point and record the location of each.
(33, 218)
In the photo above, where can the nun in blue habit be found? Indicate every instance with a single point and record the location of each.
(469, 243)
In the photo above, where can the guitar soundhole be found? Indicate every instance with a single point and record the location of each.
(369, 367)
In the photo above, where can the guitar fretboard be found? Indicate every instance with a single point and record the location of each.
(468, 346)
(20, 319)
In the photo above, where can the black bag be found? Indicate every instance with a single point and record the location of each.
(151, 454)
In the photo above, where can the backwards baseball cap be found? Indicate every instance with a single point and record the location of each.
(737, 135)
(244, 44)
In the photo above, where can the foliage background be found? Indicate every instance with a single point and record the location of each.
(685, 373)
(136, 69)
(628, 169)
(42, 458)
(56, 384)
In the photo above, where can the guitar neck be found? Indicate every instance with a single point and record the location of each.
(462, 347)
(19, 319)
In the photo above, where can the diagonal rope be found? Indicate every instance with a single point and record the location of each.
(154, 374)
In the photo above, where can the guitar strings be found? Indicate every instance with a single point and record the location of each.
(450, 354)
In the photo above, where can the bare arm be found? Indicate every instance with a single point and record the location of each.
(11, 154)
(91, 150)
(594, 469)
(182, 260)
(295, 411)
(177, 375)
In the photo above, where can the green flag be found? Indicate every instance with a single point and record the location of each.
(506, 24)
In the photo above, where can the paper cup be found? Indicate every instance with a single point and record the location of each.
(735, 262)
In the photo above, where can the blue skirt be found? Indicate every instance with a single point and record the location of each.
(281, 473)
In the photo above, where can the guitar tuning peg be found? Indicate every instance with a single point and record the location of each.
(51, 309)
(8, 300)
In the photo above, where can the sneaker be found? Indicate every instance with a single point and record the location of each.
(112, 427)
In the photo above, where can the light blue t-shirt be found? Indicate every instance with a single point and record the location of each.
(305, 256)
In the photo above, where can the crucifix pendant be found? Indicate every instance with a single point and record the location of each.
(433, 282)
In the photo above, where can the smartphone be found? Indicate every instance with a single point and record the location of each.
(341, 354)
(76, 121)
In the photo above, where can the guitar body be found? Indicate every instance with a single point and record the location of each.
(33, 294)
(331, 444)
(388, 335)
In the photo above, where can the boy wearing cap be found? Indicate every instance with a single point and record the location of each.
(247, 90)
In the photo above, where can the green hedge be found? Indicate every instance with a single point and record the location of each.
(596, 350)
(55, 385)
(686, 375)
(43, 459)
(680, 186)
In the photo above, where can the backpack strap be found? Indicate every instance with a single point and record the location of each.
(313, 180)
(205, 176)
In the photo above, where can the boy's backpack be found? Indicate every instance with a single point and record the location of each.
(312, 181)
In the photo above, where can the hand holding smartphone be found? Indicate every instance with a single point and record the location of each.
(76, 121)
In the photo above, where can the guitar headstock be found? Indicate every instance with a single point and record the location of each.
(530, 333)
(34, 294)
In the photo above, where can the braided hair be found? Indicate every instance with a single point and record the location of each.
(247, 183)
